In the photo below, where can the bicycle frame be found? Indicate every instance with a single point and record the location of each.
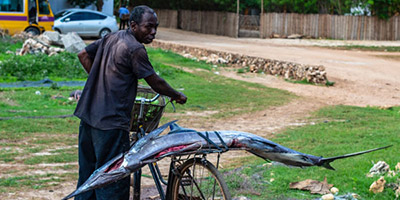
(176, 160)
(155, 171)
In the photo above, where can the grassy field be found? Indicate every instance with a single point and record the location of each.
(342, 130)
(40, 153)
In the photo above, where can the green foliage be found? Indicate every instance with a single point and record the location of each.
(368, 48)
(9, 44)
(384, 9)
(81, 3)
(37, 67)
(344, 129)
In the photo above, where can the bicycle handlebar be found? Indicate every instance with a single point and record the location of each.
(144, 100)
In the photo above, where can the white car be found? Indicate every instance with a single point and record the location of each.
(86, 23)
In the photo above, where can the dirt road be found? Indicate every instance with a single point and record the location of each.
(362, 78)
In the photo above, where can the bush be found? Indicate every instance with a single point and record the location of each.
(64, 66)
(9, 44)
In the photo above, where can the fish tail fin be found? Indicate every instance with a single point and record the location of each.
(74, 193)
(328, 165)
(325, 162)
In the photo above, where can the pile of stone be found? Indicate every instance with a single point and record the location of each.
(289, 70)
(49, 43)
(32, 46)
(3, 33)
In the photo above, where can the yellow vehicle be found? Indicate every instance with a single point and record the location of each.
(33, 16)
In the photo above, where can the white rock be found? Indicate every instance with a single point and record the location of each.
(380, 167)
(328, 197)
(53, 37)
(241, 198)
(334, 190)
(72, 42)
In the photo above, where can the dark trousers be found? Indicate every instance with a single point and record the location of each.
(96, 147)
(122, 24)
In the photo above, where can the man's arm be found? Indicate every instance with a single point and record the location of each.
(85, 60)
(161, 86)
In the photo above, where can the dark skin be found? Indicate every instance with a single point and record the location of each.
(144, 32)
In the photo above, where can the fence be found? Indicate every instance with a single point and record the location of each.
(208, 22)
(284, 24)
(331, 26)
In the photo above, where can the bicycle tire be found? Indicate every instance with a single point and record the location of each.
(198, 179)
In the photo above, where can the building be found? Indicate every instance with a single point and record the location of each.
(57, 5)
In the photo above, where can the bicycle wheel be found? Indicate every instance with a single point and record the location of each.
(198, 179)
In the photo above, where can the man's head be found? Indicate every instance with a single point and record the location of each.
(143, 22)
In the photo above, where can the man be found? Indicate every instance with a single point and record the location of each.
(123, 11)
(115, 63)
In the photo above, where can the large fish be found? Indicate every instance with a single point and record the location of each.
(179, 140)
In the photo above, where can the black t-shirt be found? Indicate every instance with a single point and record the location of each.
(119, 60)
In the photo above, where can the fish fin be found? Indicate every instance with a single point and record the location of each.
(259, 155)
(153, 134)
(175, 128)
(325, 162)
(74, 193)
(160, 129)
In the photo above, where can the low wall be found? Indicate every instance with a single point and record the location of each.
(289, 70)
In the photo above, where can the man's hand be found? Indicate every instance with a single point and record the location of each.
(181, 99)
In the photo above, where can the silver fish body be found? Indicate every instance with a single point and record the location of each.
(153, 147)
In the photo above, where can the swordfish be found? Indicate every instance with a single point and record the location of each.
(153, 147)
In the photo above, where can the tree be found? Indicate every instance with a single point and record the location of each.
(81, 3)
(85, 3)
(382, 8)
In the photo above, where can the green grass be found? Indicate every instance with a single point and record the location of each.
(38, 67)
(22, 140)
(19, 102)
(305, 82)
(9, 44)
(347, 129)
(57, 158)
(158, 56)
(33, 181)
(368, 48)
(60, 67)
(206, 91)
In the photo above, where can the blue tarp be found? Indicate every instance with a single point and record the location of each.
(41, 83)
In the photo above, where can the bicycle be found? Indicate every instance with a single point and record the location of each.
(190, 176)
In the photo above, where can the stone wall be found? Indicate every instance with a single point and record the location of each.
(288, 70)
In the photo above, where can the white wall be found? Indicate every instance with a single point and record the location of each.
(57, 5)
(108, 7)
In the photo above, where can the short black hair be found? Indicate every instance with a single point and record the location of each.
(137, 13)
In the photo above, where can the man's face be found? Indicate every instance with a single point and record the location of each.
(146, 31)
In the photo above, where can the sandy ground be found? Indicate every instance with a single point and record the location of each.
(361, 78)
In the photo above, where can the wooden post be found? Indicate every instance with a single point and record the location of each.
(237, 18)
(262, 20)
